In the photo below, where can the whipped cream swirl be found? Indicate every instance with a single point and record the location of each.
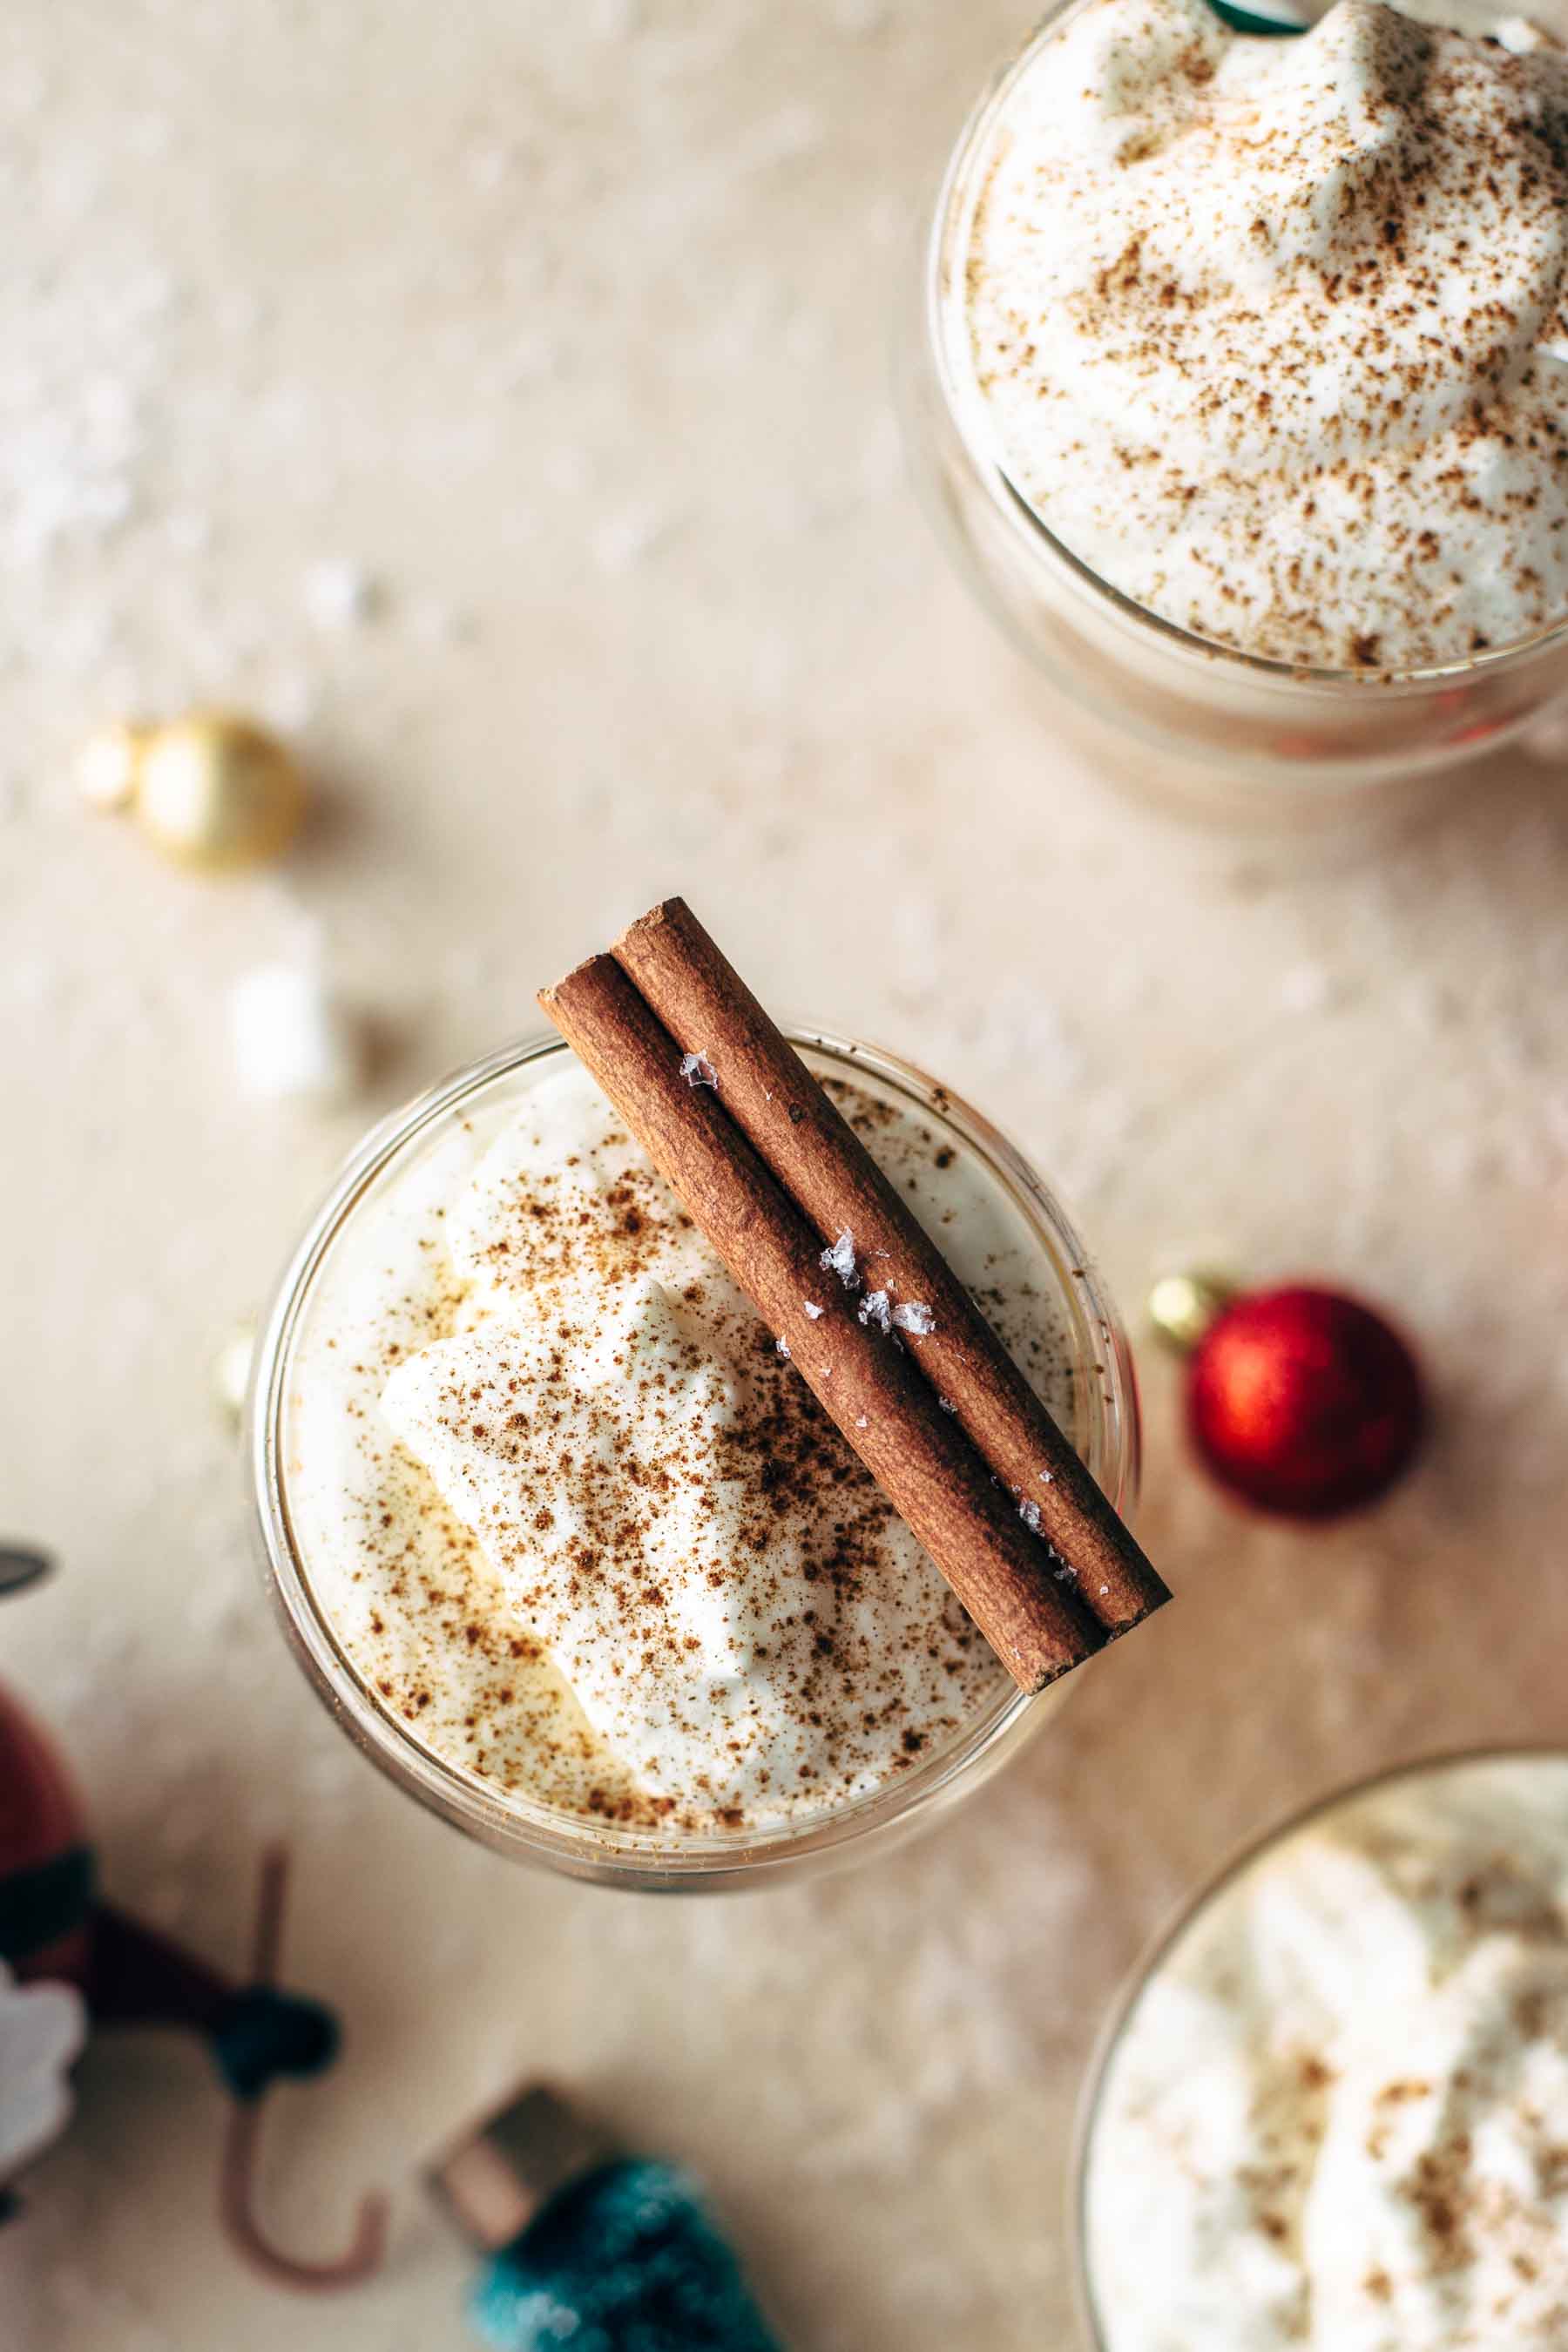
(1337, 2117)
(1271, 332)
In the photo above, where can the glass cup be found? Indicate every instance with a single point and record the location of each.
(1105, 1429)
(1099, 2293)
(1210, 731)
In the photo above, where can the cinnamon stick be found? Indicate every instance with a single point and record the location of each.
(870, 1390)
(801, 1134)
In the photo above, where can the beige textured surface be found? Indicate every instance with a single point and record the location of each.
(569, 325)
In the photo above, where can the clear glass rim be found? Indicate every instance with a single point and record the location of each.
(953, 218)
(1109, 1434)
(1246, 1856)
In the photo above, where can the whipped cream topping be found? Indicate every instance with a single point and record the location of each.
(575, 1519)
(1337, 2117)
(1271, 332)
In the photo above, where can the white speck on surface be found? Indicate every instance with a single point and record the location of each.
(1307, 988)
(37, 984)
(74, 443)
(1030, 1515)
(527, 363)
(792, 132)
(290, 702)
(293, 1040)
(1048, 1477)
(878, 1308)
(862, 1422)
(699, 1071)
(566, 470)
(840, 1260)
(814, 1311)
(624, 540)
(914, 1315)
(489, 165)
(436, 623)
(783, 1346)
(188, 532)
(340, 594)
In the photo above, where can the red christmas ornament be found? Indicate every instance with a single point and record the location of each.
(1303, 1401)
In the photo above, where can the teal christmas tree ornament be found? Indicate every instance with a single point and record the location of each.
(587, 2246)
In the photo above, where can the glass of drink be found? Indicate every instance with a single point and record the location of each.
(508, 1200)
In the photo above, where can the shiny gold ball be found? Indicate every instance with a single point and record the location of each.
(1183, 1305)
(218, 792)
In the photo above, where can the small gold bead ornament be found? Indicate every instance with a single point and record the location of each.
(1182, 1306)
(211, 790)
(107, 766)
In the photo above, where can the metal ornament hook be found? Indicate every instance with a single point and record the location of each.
(237, 2180)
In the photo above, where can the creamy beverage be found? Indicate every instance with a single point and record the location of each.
(1336, 2115)
(1270, 333)
(576, 1522)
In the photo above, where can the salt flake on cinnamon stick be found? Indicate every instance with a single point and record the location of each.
(840, 1258)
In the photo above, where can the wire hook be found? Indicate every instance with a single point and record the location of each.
(238, 2180)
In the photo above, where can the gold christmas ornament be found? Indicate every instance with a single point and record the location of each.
(212, 789)
(1183, 1305)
